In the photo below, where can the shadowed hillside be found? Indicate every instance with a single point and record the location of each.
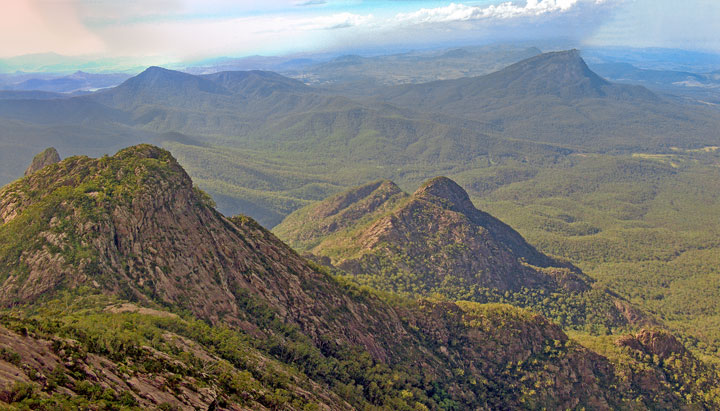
(556, 98)
(439, 127)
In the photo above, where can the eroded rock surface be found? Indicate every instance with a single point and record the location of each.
(45, 158)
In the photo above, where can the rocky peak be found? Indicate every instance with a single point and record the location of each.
(146, 151)
(447, 193)
(45, 158)
(653, 342)
(342, 201)
(559, 68)
(132, 226)
(340, 212)
(437, 232)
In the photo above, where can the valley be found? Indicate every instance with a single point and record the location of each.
(532, 235)
(119, 266)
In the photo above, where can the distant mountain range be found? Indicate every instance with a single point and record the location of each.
(546, 105)
(358, 75)
(656, 58)
(556, 98)
(701, 87)
(73, 83)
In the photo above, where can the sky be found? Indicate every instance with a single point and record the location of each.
(190, 30)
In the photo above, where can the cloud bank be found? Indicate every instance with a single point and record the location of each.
(460, 12)
(182, 30)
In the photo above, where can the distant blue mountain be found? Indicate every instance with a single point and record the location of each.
(78, 81)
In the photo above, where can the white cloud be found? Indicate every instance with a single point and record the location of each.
(303, 3)
(331, 22)
(187, 39)
(689, 24)
(182, 29)
(460, 12)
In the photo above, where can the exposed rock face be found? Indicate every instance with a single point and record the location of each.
(154, 238)
(45, 158)
(654, 342)
(433, 236)
(447, 193)
(312, 224)
(633, 315)
(680, 372)
(40, 357)
(133, 226)
(32, 359)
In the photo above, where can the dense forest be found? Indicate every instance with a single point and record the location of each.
(130, 274)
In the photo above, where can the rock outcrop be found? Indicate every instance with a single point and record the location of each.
(45, 158)
(431, 237)
(134, 225)
(654, 342)
(131, 227)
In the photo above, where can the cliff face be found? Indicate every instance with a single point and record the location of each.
(132, 229)
(45, 158)
(60, 373)
(433, 237)
(133, 224)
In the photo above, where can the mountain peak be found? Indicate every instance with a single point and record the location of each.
(156, 71)
(379, 224)
(161, 78)
(568, 59)
(339, 212)
(42, 159)
(446, 192)
(562, 73)
(145, 151)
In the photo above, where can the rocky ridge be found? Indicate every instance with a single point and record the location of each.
(89, 238)
(435, 235)
(45, 158)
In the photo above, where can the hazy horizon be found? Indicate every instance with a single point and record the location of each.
(108, 36)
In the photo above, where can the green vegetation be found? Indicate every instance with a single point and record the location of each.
(655, 230)
(85, 190)
(642, 227)
(635, 206)
(83, 323)
(417, 246)
(592, 311)
(696, 382)
(276, 371)
(646, 227)
(437, 355)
